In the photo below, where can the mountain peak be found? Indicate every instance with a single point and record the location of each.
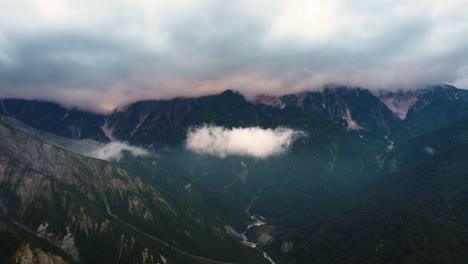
(230, 92)
(231, 95)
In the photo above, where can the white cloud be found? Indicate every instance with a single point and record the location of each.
(114, 151)
(251, 141)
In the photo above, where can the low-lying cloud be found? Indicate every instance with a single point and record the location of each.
(252, 141)
(115, 151)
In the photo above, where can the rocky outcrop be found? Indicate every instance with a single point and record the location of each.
(28, 255)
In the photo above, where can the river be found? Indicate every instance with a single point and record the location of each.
(257, 221)
(381, 158)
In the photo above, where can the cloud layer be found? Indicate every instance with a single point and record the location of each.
(101, 54)
(252, 141)
(115, 151)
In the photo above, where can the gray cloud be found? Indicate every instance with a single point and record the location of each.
(101, 54)
(252, 141)
(115, 151)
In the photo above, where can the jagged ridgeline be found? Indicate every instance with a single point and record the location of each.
(372, 178)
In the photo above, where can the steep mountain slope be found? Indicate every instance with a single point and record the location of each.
(53, 118)
(98, 213)
(427, 110)
(418, 216)
(350, 134)
(354, 142)
(342, 140)
(19, 246)
(340, 149)
(164, 122)
(437, 108)
(357, 109)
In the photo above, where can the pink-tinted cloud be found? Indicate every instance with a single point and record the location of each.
(101, 54)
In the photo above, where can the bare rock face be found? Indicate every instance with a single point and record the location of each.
(90, 210)
(28, 255)
(400, 103)
(68, 244)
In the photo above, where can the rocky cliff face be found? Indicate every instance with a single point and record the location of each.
(97, 212)
(26, 255)
(351, 130)
(149, 122)
(165, 122)
(155, 209)
(53, 118)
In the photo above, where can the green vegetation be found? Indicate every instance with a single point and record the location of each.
(100, 213)
(382, 191)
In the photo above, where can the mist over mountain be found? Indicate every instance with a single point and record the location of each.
(102, 55)
(233, 132)
(343, 175)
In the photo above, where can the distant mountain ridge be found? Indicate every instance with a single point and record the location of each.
(358, 145)
(157, 122)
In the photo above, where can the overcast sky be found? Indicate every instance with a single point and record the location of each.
(101, 54)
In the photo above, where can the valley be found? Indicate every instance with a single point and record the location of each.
(257, 221)
(128, 183)
(233, 132)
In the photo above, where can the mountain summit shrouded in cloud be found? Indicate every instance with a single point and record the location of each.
(93, 54)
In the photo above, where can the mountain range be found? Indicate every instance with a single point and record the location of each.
(374, 177)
